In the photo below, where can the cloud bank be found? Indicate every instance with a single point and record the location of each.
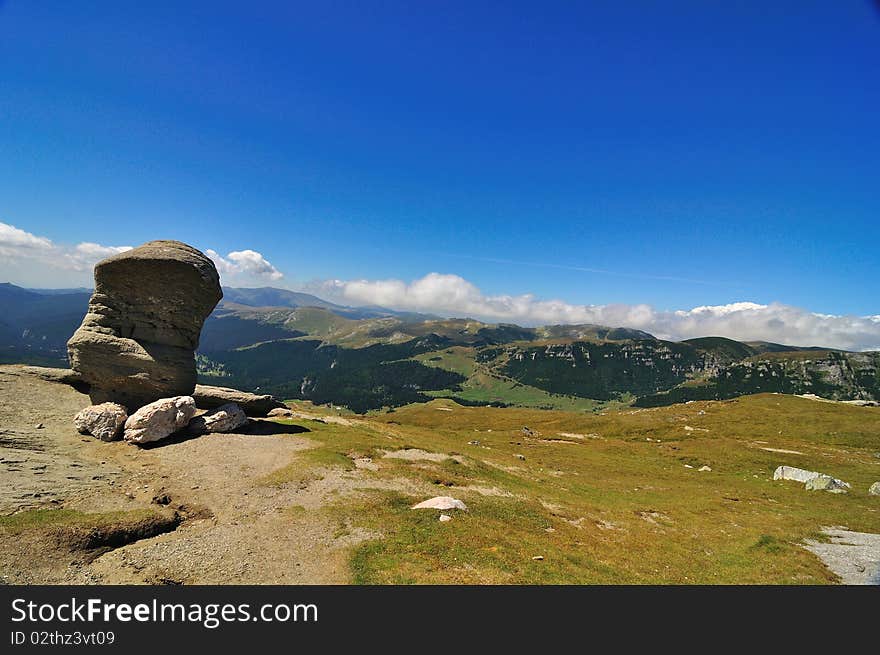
(452, 295)
(37, 261)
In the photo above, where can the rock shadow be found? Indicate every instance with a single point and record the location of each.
(256, 427)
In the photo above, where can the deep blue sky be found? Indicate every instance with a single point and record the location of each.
(734, 144)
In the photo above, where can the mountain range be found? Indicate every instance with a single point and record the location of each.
(296, 345)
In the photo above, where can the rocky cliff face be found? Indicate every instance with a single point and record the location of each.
(136, 344)
(829, 374)
(603, 370)
(663, 372)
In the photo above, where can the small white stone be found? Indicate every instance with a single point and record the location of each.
(444, 518)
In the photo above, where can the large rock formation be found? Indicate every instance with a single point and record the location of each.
(136, 344)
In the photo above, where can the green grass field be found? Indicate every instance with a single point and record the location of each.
(614, 497)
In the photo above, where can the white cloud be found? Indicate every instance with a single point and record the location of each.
(13, 239)
(244, 266)
(452, 295)
(84, 256)
(721, 310)
(38, 261)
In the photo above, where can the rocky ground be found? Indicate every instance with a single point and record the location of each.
(223, 526)
(854, 556)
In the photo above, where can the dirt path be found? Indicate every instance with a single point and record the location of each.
(236, 528)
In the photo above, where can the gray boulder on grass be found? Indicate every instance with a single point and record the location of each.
(794, 473)
(826, 483)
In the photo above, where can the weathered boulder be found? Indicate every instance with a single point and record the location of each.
(826, 483)
(441, 502)
(104, 421)
(874, 489)
(280, 412)
(208, 397)
(136, 344)
(225, 418)
(813, 480)
(794, 473)
(159, 419)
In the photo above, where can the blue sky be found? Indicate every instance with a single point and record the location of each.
(674, 154)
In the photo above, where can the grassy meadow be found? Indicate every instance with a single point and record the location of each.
(610, 497)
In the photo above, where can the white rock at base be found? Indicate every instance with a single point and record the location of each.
(103, 421)
(225, 418)
(441, 502)
(159, 419)
(444, 518)
(705, 468)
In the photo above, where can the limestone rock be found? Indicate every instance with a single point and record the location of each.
(208, 397)
(793, 473)
(441, 502)
(813, 480)
(874, 489)
(159, 419)
(826, 483)
(225, 418)
(444, 518)
(136, 344)
(104, 421)
(280, 412)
